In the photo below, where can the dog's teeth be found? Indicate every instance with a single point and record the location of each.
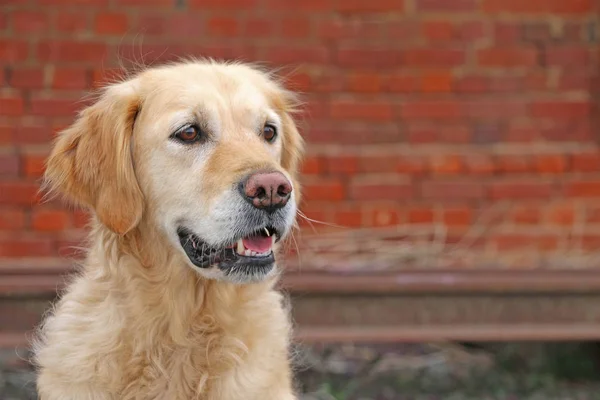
(253, 253)
(240, 247)
(248, 253)
(273, 239)
(267, 232)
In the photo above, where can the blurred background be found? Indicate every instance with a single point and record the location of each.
(450, 241)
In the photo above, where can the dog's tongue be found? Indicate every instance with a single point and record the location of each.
(259, 244)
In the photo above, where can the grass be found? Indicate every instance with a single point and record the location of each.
(507, 371)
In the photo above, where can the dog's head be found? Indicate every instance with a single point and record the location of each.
(203, 151)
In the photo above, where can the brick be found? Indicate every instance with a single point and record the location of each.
(526, 214)
(11, 219)
(71, 78)
(506, 33)
(6, 133)
(11, 105)
(53, 107)
(487, 132)
(325, 190)
(294, 27)
(312, 165)
(145, 3)
(80, 218)
(96, 3)
(583, 188)
(514, 241)
(446, 165)
(71, 22)
(342, 109)
(29, 22)
(585, 162)
(31, 135)
(258, 27)
(592, 214)
(451, 190)
(179, 25)
(223, 26)
(49, 220)
(560, 109)
(71, 51)
(111, 23)
(520, 190)
(551, 163)
(3, 22)
(21, 247)
(26, 78)
(404, 83)
(537, 32)
(485, 109)
(472, 30)
(567, 56)
(312, 214)
(421, 215)
(457, 216)
(18, 193)
(479, 164)
(430, 110)
(298, 6)
(471, 84)
(373, 6)
(436, 82)
(560, 214)
(438, 30)
(368, 57)
(514, 164)
(434, 57)
(569, 81)
(222, 4)
(366, 82)
(12, 50)
(589, 242)
(382, 216)
(507, 58)
(305, 55)
(103, 77)
(538, 6)
(446, 6)
(390, 188)
(71, 248)
(341, 165)
(349, 218)
(521, 134)
(411, 165)
(378, 163)
(9, 165)
(422, 135)
(354, 30)
(33, 165)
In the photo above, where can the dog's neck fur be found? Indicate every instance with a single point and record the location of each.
(158, 278)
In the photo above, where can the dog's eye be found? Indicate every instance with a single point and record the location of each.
(269, 133)
(188, 134)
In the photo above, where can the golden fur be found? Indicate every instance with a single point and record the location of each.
(139, 322)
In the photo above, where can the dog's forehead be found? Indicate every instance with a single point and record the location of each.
(236, 83)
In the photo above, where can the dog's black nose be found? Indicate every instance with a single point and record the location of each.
(267, 191)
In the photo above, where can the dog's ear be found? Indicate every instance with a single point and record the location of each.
(91, 162)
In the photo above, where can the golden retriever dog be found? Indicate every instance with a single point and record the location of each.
(191, 172)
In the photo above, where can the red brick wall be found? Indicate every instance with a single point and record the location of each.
(427, 114)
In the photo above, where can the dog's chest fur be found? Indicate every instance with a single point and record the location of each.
(103, 343)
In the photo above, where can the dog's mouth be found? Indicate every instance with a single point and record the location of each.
(254, 250)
